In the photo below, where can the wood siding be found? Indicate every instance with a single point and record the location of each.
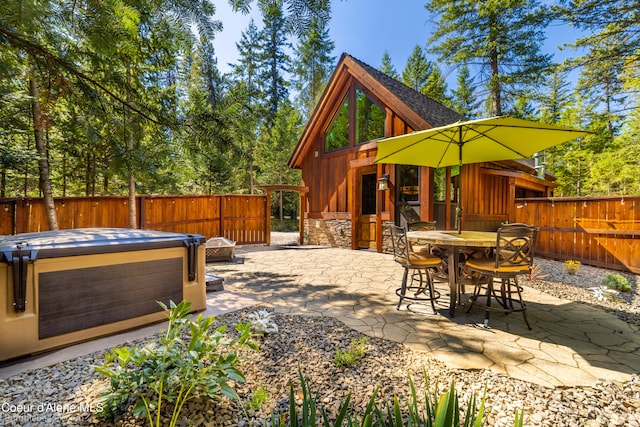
(242, 218)
(487, 199)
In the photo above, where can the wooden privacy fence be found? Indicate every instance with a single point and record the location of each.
(242, 218)
(603, 231)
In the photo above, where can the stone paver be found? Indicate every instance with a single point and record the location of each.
(571, 344)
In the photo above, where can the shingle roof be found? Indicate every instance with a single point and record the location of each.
(433, 112)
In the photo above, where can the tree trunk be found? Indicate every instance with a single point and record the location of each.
(494, 81)
(3, 183)
(43, 157)
(133, 220)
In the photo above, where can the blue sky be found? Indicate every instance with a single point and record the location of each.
(366, 28)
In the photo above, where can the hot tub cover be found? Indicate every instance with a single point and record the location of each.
(83, 241)
(20, 250)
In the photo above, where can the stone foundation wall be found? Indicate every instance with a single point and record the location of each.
(337, 233)
(328, 232)
(387, 246)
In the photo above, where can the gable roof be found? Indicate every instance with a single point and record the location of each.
(417, 110)
(431, 111)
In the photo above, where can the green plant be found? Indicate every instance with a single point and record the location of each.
(259, 397)
(357, 349)
(572, 266)
(188, 360)
(616, 282)
(428, 411)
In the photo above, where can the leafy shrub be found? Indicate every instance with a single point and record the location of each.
(188, 360)
(617, 282)
(356, 351)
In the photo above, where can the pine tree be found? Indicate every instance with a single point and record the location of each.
(417, 70)
(314, 64)
(501, 38)
(387, 66)
(275, 62)
(556, 98)
(465, 99)
(611, 47)
(436, 86)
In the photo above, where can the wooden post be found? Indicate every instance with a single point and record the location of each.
(268, 219)
(303, 211)
(380, 196)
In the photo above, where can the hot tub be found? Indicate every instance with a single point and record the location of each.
(63, 287)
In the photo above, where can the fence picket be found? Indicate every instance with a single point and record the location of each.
(205, 215)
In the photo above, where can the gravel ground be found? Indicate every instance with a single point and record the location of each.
(65, 394)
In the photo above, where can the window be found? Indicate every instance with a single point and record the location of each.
(369, 119)
(369, 183)
(337, 135)
(408, 184)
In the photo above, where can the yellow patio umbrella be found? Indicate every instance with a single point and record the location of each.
(474, 141)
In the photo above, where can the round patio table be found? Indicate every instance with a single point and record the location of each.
(454, 242)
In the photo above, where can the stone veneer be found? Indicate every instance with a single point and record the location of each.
(337, 233)
(387, 245)
(328, 232)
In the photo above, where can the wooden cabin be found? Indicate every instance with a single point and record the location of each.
(336, 153)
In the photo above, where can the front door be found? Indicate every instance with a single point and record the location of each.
(366, 208)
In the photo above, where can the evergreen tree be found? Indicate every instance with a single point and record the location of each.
(556, 98)
(274, 148)
(501, 38)
(417, 70)
(248, 91)
(274, 61)
(436, 86)
(611, 48)
(465, 99)
(314, 64)
(387, 66)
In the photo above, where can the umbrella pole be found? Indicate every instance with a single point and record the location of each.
(459, 207)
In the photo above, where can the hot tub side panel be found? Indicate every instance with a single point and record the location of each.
(77, 298)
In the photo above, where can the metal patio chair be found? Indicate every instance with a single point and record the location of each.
(513, 256)
(418, 287)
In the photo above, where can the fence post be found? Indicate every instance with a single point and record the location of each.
(142, 220)
(267, 222)
(221, 215)
(22, 216)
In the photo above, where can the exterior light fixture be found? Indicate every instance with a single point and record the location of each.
(383, 183)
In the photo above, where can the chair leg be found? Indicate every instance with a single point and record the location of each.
(489, 296)
(476, 293)
(403, 290)
(430, 285)
(522, 304)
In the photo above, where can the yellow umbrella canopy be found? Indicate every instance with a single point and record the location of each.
(474, 141)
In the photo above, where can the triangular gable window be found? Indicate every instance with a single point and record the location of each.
(369, 122)
(337, 135)
(369, 119)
